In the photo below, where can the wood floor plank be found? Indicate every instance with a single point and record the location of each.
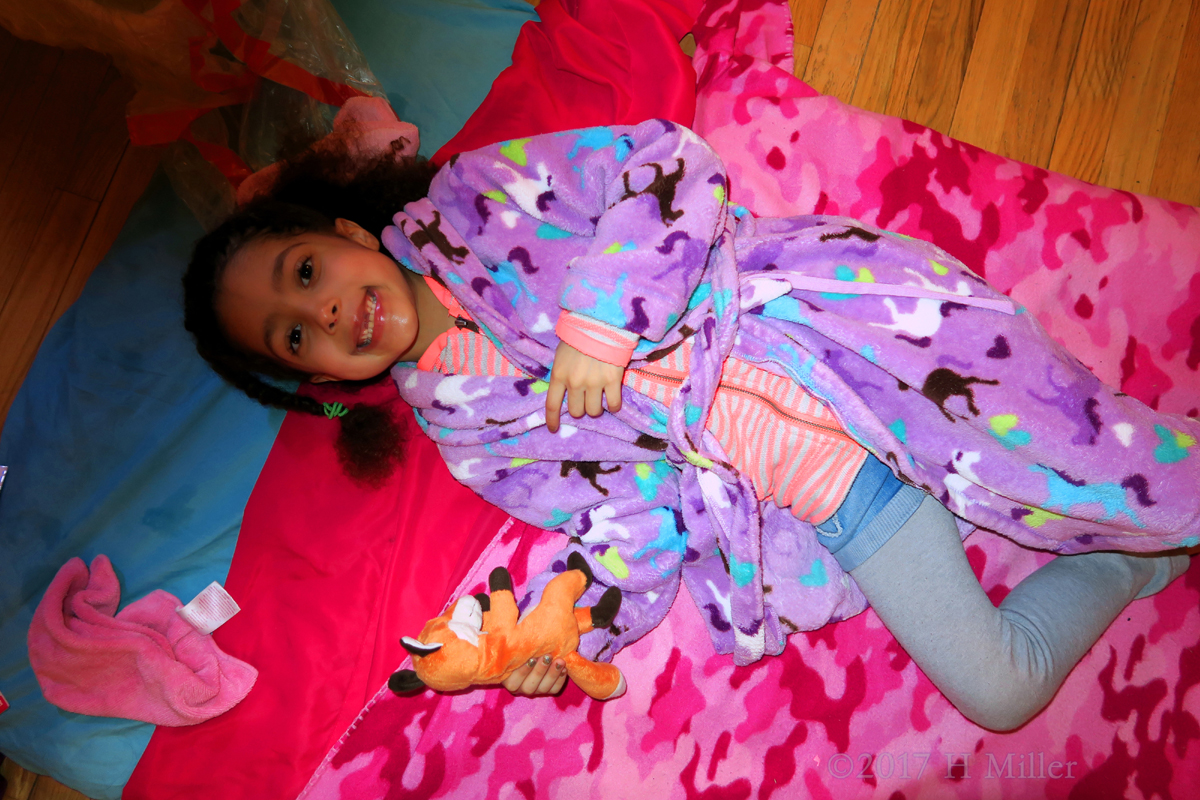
(129, 182)
(1141, 107)
(47, 788)
(891, 54)
(906, 56)
(800, 56)
(806, 18)
(18, 57)
(1036, 102)
(838, 48)
(946, 45)
(23, 80)
(688, 45)
(102, 139)
(25, 315)
(1087, 119)
(1177, 166)
(7, 43)
(20, 780)
(987, 87)
(41, 162)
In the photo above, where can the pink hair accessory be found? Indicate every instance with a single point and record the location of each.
(366, 126)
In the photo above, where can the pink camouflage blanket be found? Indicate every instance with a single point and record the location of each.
(843, 712)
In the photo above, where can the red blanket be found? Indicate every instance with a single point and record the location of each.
(326, 573)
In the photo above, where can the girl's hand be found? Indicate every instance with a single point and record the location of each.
(537, 677)
(585, 381)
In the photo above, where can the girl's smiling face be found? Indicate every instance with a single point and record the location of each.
(331, 305)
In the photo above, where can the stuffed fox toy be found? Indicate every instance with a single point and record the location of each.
(480, 641)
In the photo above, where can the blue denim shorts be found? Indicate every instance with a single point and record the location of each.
(876, 506)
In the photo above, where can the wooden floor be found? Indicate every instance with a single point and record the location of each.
(1105, 90)
(24, 785)
(68, 179)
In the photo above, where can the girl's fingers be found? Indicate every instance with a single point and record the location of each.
(612, 394)
(537, 677)
(553, 678)
(561, 669)
(594, 402)
(554, 398)
(575, 402)
(584, 382)
(513, 682)
(537, 674)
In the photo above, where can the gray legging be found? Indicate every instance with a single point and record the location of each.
(999, 666)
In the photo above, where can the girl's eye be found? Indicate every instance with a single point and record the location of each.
(305, 272)
(293, 339)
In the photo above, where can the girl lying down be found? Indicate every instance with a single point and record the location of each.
(788, 415)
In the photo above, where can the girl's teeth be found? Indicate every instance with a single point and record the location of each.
(365, 339)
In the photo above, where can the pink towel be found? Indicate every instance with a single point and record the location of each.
(145, 663)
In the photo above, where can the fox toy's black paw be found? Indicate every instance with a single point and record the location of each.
(576, 561)
(499, 580)
(405, 681)
(606, 608)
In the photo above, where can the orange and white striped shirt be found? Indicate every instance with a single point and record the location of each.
(781, 437)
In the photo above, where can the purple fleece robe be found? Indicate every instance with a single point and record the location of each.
(937, 374)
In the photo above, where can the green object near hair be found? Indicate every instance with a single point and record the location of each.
(334, 410)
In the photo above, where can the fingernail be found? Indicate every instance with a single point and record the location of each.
(560, 666)
(546, 659)
(532, 661)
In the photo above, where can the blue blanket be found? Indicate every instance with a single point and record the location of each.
(121, 441)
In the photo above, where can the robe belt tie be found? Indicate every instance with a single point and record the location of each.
(805, 283)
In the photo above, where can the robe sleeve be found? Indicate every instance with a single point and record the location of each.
(642, 205)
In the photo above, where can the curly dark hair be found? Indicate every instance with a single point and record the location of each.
(311, 192)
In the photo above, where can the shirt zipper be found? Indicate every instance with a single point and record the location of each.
(774, 406)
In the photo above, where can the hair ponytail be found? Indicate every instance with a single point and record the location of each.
(310, 192)
(369, 442)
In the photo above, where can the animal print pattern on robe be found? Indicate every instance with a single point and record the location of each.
(952, 384)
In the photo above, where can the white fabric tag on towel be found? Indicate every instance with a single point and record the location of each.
(210, 609)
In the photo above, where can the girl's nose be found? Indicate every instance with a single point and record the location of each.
(328, 314)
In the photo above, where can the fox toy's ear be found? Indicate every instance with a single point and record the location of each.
(405, 681)
(418, 648)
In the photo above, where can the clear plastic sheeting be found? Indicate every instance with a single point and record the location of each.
(200, 185)
(288, 26)
(277, 122)
(235, 85)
